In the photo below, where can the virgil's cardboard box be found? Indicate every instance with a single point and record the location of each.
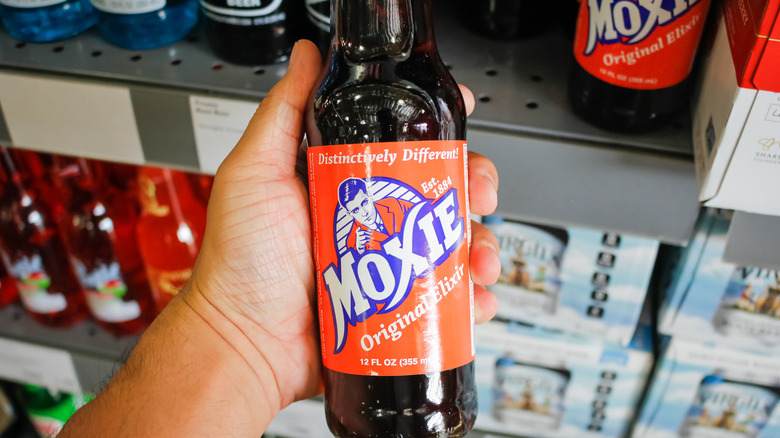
(581, 281)
(702, 391)
(532, 382)
(736, 126)
(714, 301)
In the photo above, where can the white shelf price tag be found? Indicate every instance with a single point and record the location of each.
(43, 366)
(218, 124)
(71, 118)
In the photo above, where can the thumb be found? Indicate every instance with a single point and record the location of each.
(269, 145)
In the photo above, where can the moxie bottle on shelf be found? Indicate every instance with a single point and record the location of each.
(100, 234)
(170, 230)
(633, 64)
(32, 247)
(387, 162)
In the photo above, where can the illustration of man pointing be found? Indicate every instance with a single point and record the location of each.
(374, 221)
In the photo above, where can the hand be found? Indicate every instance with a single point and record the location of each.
(362, 238)
(254, 281)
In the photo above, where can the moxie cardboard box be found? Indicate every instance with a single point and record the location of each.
(736, 126)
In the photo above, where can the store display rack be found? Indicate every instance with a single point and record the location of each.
(555, 168)
(95, 354)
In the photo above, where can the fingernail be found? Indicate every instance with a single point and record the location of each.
(489, 178)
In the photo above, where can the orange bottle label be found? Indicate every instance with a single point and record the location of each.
(391, 231)
(640, 44)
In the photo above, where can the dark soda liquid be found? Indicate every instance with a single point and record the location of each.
(509, 19)
(623, 109)
(392, 88)
(8, 290)
(260, 44)
(102, 242)
(33, 249)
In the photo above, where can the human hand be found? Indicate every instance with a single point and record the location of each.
(362, 238)
(254, 281)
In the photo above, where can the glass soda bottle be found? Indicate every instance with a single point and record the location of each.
(633, 65)
(250, 32)
(40, 21)
(101, 240)
(145, 24)
(318, 16)
(170, 230)
(201, 186)
(387, 161)
(8, 290)
(33, 249)
(509, 19)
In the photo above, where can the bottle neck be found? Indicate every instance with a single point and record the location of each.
(373, 30)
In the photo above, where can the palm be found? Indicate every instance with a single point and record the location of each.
(265, 280)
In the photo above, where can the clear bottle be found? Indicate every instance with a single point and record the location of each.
(102, 244)
(170, 230)
(386, 105)
(145, 24)
(40, 21)
(32, 247)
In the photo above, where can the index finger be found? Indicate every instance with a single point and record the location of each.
(483, 184)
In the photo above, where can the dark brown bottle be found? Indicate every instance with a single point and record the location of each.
(31, 246)
(250, 32)
(633, 67)
(509, 19)
(386, 83)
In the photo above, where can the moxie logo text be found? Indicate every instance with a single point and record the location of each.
(360, 283)
(630, 21)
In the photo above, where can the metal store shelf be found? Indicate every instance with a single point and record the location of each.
(754, 241)
(581, 175)
(96, 355)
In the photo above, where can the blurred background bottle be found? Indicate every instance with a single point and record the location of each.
(318, 20)
(509, 19)
(49, 410)
(8, 290)
(170, 230)
(251, 32)
(40, 21)
(145, 24)
(100, 234)
(31, 246)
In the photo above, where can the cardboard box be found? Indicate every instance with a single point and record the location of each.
(714, 301)
(736, 126)
(586, 282)
(702, 391)
(536, 383)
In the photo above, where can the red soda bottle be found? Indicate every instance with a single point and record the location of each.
(387, 162)
(634, 61)
(201, 186)
(100, 235)
(31, 247)
(170, 230)
(8, 290)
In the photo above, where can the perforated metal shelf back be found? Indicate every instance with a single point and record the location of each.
(520, 86)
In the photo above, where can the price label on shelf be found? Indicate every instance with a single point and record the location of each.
(71, 117)
(218, 124)
(43, 366)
